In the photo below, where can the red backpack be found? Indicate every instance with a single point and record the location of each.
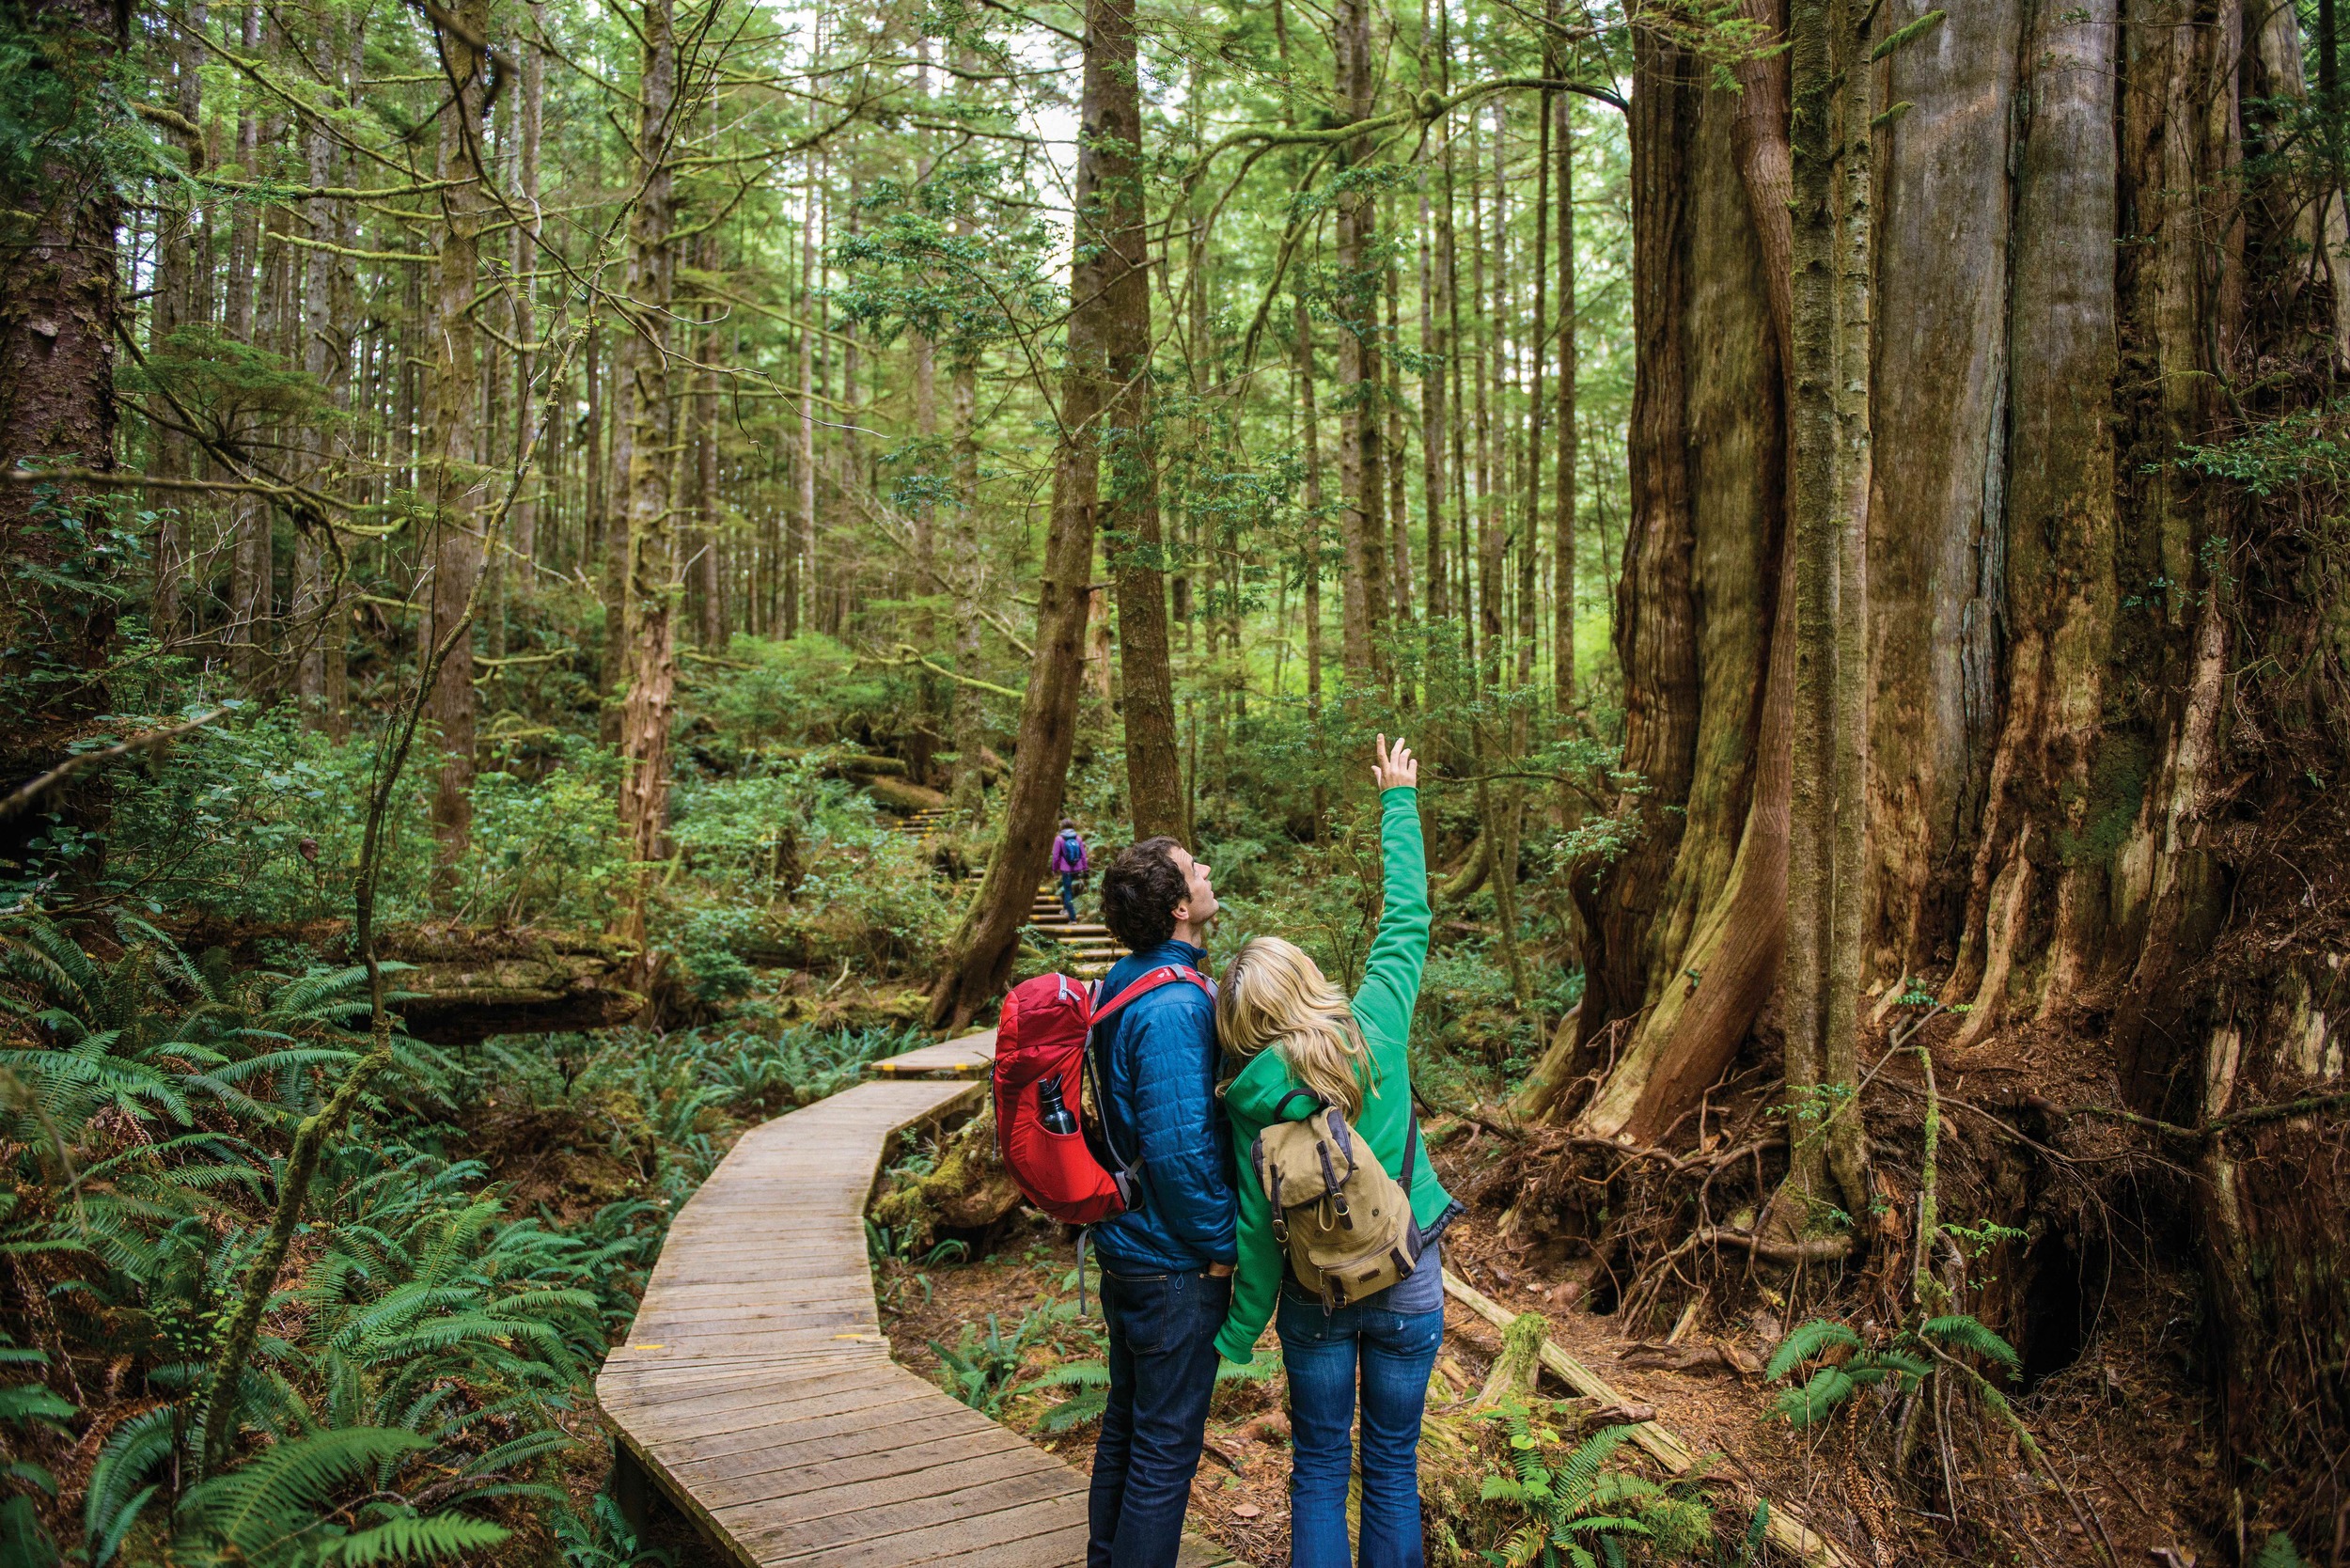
(1043, 1067)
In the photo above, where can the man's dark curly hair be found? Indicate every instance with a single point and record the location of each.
(1141, 890)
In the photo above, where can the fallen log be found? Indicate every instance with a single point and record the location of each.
(1785, 1529)
(905, 798)
(471, 984)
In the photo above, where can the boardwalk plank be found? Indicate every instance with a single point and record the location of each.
(758, 1389)
(867, 1483)
(932, 1527)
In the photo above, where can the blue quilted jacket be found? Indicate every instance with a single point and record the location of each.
(1158, 1060)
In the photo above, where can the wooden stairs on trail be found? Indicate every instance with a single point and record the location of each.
(755, 1390)
(1091, 949)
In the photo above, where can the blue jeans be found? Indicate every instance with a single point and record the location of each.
(1161, 1333)
(1068, 896)
(1393, 1352)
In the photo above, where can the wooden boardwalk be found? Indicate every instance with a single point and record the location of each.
(757, 1390)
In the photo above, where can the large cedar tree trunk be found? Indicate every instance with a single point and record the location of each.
(2104, 691)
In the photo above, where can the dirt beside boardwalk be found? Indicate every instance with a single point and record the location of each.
(2121, 1426)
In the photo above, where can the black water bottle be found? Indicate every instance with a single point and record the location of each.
(1055, 1114)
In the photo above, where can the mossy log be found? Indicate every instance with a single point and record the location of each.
(1519, 1366)
(898, 796)
(473, 982)
(970, 1189)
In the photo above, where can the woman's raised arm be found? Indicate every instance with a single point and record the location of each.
(1390, 989)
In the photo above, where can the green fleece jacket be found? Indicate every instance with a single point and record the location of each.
(1384, 1008)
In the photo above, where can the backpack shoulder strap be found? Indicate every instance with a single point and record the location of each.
(1165, 974)
(1281, 1107)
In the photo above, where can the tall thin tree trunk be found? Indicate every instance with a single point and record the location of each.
(963, 393)
(314, 621)
(709, 581)
(650, 600)
(1563, 518)
(803, 541)
(1435, 256)
(525, 529)
(1362, 474)
(1133, 539)
(978, 957)
(248, 519)
(457, 480)
(1398, 513)
(183, 287)
(1529, 541)
(1309, 553)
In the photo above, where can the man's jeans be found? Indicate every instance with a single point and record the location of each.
(1068, 896)
(1162, 1331)
(1322, 1353)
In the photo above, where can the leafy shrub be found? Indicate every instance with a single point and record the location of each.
(809, 689)
(218, 825)
(547, 848)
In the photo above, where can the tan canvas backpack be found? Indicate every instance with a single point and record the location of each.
(1346, 1223)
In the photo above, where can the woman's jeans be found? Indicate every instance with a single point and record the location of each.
(1068, 896)
(1323, 1353)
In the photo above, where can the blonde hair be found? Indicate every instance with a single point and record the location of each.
(1274, 995)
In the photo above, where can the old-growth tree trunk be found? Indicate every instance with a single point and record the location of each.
(978, 957)
(2096, 702)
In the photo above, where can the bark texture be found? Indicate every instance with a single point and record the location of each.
(651, 605)
(458, 481)
(58, 305)
(2099, 685)
(978, 956)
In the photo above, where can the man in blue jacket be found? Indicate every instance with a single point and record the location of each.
(1167, 1262)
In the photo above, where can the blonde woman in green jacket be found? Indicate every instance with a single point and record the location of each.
(1294, 1031)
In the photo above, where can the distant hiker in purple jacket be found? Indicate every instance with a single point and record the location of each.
(1068, 864)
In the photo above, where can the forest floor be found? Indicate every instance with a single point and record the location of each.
(2121, 1426)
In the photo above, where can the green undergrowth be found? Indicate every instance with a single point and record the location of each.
(469, 1250)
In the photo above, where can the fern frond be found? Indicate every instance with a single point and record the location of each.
(1088, 1404)
(520, 1451)
(1579, 1475)
(1526, 1543)
(137, 1448)
(284, 1492)
(1807, 1341)
(1962, 1332)
(412, 1540)
(1830, 1387)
